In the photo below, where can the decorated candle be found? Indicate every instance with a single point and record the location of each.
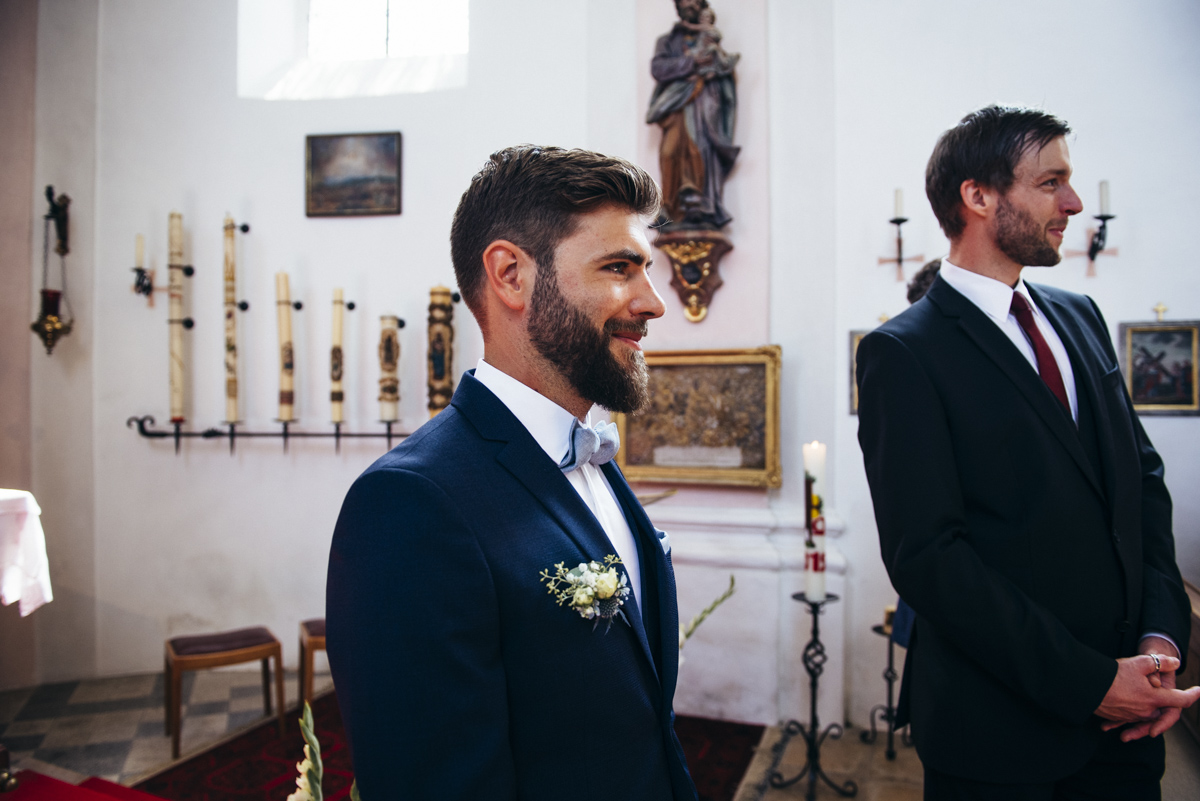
(389, 363)
(814, 562)
(283, 305)
(336, 397)
(175, 311)
(231, 357)
(440, 356)
(814, 464)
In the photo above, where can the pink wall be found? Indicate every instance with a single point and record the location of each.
(18, 59)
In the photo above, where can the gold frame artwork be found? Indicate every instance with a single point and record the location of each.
(722, 378)
(1136, 372)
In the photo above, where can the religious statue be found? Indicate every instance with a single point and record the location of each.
(695, 104)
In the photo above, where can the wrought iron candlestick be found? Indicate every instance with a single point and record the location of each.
(899, 258)
(886, 712)
(814, 664)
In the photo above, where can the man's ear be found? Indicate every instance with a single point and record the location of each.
(510, 273)
(978, 201)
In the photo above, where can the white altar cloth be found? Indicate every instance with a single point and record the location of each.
(24, 569)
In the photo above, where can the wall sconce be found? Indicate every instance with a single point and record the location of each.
(899, 258)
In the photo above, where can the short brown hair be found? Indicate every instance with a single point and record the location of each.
(985, 147)
(533, 196)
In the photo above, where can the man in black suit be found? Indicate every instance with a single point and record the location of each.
(1021, 507)
(459, 676)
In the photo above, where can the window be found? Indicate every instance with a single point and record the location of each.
(310, 49)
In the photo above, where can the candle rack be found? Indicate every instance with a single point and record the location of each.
(899, 258)
(814, 664)
(145, 427)
(887, 712)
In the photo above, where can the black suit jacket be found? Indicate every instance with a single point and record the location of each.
(1032, 564)
(458, 677)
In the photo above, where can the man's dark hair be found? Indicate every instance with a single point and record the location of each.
(533, 197)
(985, 147)
(923, 279)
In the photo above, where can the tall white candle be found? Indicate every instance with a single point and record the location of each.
(1104, 197)
(814, 464)
(899, 203)
(175, 311)
(336, 397)
(231, 356)
(814, 562)
(139, 251)
(389, 365)
(283, 305)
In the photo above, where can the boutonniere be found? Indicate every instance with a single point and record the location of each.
(596, 590)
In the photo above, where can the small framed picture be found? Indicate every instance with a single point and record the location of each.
(1159, 361)
(855, 338)
(713, 418)
(350, 175)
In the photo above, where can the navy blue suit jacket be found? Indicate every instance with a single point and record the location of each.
(457, 675)
(1035, 553)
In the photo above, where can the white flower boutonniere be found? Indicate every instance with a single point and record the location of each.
(596, 590)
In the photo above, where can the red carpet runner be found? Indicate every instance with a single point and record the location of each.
(258, 765)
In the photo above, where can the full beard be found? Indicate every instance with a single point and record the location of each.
(1019, 237)
(566, 338)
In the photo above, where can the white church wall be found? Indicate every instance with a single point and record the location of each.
(205, 540)
(1126, 78)
(62, 385)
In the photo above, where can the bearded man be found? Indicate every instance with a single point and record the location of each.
(1021, 508)
(467, 663)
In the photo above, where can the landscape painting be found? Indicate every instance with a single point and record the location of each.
(353, 174)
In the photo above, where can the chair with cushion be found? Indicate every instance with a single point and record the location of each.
(312, 639)
(217, 650)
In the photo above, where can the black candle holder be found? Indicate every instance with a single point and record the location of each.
(899, 258)
(1100, 237)
(814, 664)
(145, 427)
(887, 712)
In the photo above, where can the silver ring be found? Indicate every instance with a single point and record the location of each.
(1157, 664)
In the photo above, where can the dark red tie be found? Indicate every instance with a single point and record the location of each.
(1047, 365)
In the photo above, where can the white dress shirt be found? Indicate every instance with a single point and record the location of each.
(550, 426)
(994, 298)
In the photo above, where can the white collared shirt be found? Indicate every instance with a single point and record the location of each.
(550, 426)
(994, 298)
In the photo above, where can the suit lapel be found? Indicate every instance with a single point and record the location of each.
(528, 463)
(656, 569)
(1087, 378)
(988, 337)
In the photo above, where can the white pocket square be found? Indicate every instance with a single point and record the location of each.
(664, 539)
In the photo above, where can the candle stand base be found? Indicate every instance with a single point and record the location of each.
(814, 664)
(887, 712)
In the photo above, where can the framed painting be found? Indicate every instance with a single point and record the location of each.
(350, 175)
(855, 338)
(1159, 361)
(713, 418)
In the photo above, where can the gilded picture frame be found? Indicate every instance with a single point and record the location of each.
(713, 418)
(1159, 361)
(855, 338)
(352, 175)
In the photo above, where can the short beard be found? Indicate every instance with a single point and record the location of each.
(1020, 238)
(566, 338)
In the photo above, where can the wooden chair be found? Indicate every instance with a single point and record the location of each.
(312, 639)
(217, 650)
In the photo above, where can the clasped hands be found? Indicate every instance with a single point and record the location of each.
(1144, 693)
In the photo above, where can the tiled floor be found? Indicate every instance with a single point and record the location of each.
(114, 728)
(879, 779)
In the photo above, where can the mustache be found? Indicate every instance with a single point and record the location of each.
(626, 327)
